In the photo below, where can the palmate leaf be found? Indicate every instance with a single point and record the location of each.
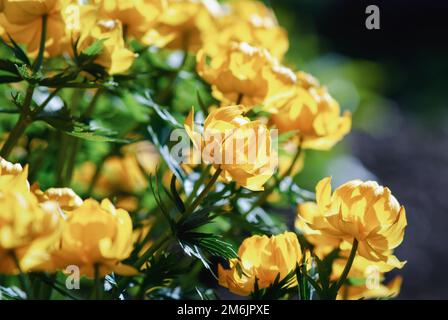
(62, 121)
(160, 271)
(198, 244)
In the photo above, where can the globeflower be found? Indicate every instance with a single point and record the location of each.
(184, 25)
(250, 22)
(364, 211)
(28, 229)
(243, 74)
(308, 214)
(261, 259)
(22, 20)
(114, 56)
(136, 16)
(313, 114)
(241, 148)
(95, 236)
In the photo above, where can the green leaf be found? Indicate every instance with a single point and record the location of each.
(177, 199)
(197, 244)
(94, 134)
(61, 120)
(166, 156)
(16, 50)
(8, 66)
(9, 79)
(161, 112)
(95, 48)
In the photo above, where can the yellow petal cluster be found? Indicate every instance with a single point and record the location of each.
(313, 114)
(114, 56)
(308, 214)
(262, 258)
(364, 211)
(237, 145)
(22, 20)
(136, 16)
(245, 74)
(184, 25)
(28, 228)
(250, 22)
(95, 236)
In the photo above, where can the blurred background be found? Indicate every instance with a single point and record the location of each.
(394, 82)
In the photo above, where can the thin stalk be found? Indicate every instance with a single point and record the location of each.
(347, 267)
(24, 281)
(98, 284)
(21, 125)
(202, 195)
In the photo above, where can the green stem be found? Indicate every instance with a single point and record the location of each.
(202, 195)
(197, 184)
(347, 268)
(21, 125)
(24, 281)
(98, 284)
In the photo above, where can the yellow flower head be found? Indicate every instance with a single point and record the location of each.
(237, 145)
(66, 198)
(23, 21)
(248, 75)
(251, 22)
(308, 214)
(136, 16)
(364, 211)
(28, 229)
(96, 235)
(184, 25)
(314, 114)
(261, 258)
(115, 57)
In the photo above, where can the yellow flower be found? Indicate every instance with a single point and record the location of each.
(115, 57)
(136, 16)
(8, 168)
(308, 214)
(247, 75)
(95, 235)
(28, 229)
(184, 25)
(237, 145)
(365, 278)
(66, 198)
(251, 22)
(23, 21)
(261, 258)
(314, 114)
(363, 211)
